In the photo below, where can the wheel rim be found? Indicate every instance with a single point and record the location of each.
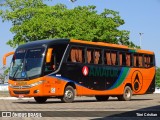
(68, 94)
(127, 93)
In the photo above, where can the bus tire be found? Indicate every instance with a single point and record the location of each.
(40, 99)
(69, 95)
(127, 94)
(102, 97)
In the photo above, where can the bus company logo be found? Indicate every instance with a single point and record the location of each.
(85, 70)
(137, 81)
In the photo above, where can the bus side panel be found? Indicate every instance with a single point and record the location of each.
(151, 88)
(58, 85)
(142, 79)
(138, 78)
(100, 80)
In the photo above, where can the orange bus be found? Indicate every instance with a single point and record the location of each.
(65, 68)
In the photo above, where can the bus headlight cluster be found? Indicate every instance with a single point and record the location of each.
(37, 83)
(26, 86)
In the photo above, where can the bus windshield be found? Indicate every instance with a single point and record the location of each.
(27, 64)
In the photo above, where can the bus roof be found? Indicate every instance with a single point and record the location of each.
(43, 43)
(66, 41)
(99, 43)
(111, 45)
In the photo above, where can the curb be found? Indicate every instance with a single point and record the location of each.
(14, 98)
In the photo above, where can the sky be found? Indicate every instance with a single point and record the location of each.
(140, 16)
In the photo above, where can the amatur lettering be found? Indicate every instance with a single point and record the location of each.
(103, 72)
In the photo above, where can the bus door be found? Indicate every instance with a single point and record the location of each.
(94, 79)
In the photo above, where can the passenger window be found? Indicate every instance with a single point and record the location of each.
(123, 59)
(128, 59)
(94, 56)
(114, 58)
(89, 56)
(135, 60)
(148, 60)
(111, 58)
(107, 55)
(73, 54)
(140, 59)
(97, 57)
(120, 59)
(76, 55)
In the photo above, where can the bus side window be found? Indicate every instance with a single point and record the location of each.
(135, 61)
(76, 55)
(145, 61)
(79, 55)
(152, 63)
(140, 57)
(89, 56)
(128, 59)
(148, 61)
(108, 57)
(97, 57)
(73, 55)
(114, 58)
(120, 59)
(123, 59)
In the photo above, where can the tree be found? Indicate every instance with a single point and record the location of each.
(34, 20)
(3, 74)
(158, 77)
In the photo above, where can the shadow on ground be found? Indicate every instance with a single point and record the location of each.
(149, 113)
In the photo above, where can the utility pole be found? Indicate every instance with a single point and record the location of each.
(140, 42)
(72, 0)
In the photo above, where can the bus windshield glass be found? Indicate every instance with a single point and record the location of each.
(27, 64)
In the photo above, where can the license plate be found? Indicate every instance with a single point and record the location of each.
(21, 96)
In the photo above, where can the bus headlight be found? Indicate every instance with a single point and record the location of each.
(37, 83)
(26, 86)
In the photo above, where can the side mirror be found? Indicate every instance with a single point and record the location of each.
(49, 55)
(5, 57)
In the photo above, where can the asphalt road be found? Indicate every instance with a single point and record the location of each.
(140, 107)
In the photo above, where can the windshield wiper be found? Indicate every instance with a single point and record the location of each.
(24, 70)
(17, 70)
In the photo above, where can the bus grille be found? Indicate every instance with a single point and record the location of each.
(21, 92)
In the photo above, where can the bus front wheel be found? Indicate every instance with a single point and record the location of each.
(127, 94)
(40, 99)
(69, 94)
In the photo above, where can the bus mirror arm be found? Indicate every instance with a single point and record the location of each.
(5, 56)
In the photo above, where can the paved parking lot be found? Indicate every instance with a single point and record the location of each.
(141, 106)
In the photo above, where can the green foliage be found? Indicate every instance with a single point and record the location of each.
(3, 74)
(34, 20)
(158, 77)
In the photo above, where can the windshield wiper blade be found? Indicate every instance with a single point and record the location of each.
(24, 69)
(16, 70)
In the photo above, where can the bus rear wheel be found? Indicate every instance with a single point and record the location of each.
(69, 95)
(102, 97)
(127, 94)
(40, 99)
